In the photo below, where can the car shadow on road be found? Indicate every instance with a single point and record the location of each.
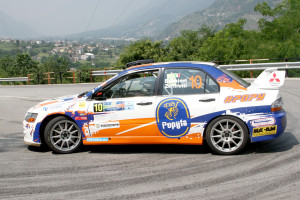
(284, 143)
(138, 149)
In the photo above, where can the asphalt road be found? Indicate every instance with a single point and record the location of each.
(266, 170)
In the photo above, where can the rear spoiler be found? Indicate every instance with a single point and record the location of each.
(270, 79)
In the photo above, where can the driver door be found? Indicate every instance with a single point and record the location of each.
(127, 108)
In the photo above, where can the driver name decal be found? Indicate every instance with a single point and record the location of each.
(173, 118)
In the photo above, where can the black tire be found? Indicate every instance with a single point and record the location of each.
(227, 135)
(62, 135)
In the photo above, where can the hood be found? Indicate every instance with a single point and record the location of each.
(54, 103)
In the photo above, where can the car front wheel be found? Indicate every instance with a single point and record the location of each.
(227, 135)
(62, 135)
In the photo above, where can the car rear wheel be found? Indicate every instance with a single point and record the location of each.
(62, 135)
(227, 135)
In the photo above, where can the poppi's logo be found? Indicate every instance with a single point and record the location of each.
(173, 118)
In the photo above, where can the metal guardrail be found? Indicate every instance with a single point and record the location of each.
(106, 72)
(233, 67)
(261, 66)
(12, 79)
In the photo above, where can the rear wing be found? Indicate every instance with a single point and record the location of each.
(270, 79)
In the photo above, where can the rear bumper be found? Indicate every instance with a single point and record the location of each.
(269, 127)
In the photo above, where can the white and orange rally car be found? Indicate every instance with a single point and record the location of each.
(181, 103)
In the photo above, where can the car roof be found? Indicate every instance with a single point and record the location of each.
(170, 64)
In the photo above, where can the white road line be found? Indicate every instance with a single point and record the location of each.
(11, 138)
(16, 97)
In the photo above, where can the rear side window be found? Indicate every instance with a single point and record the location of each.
(187, 81)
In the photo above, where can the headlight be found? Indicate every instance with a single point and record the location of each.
(30, 117)
(277, 105)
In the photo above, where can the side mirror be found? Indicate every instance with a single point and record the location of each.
(100, 95)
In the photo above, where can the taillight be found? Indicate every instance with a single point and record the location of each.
(277, 105)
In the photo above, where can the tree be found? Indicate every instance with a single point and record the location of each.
(184, 47)
(141, 50)
(25, 65)
(7, 64)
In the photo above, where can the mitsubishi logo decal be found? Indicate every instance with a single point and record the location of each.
(274, 79)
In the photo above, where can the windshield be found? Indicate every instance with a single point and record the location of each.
(88, 93)
(236, 78)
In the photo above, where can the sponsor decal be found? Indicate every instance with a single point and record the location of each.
(268, 121)
(80, 118)
(113, 106)
(223, 79)
(269, 130)
(81, 104)
(274, 81)
(245, 98)
(108, 125)
(173, 118)
(96, 139)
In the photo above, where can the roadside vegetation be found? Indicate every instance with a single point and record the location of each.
(278, 37)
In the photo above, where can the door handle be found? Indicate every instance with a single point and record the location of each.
(144, 103)
(207, 100)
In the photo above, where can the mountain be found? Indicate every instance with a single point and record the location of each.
(218, 14)
(149, 21)
(10, 28)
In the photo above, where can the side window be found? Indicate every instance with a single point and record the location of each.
(132, 85)
(187, 81)
(210, 85)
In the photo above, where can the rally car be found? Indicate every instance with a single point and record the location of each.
(184, 103)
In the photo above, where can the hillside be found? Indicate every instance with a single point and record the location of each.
(220, 13)
(10, 28)
(149, 21)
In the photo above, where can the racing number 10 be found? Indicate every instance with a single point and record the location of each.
(196, 82)
(98, 107)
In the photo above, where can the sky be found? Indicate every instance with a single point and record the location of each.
(62, 17)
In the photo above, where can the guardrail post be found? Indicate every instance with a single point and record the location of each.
(286, 71)
(38, 78)
(60, 77)
(28, 81)
(28, 78)
(79, 76)
(105, 73)
(251, 72)
(91, 75)
(73, 77)
(48, 77)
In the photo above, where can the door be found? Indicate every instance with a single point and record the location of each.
(125, 108)
(189, 96)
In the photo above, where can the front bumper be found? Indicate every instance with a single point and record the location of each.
(29, 129)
